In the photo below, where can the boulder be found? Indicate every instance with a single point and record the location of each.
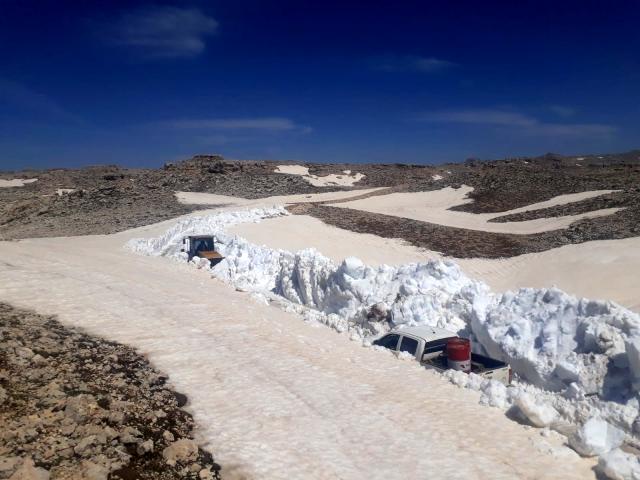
(183, 451)
(8, 465)
(145, 447)
(81, 407)
(91, 471)
(28, 471)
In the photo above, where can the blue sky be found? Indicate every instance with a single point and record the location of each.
(139, 83)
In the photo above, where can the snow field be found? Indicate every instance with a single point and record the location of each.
(346, 179)
(576, 360)
(16, 182)
(200, 198)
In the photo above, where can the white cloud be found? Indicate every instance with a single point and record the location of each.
(397, 63)
(23, 98)
(221, 130)
(164, 32)
(480, 117)
(520, 122)
(562, 111)
(265, 123)
(573, 130)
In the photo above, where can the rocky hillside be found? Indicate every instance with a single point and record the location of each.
(107, 199)
(73, 406)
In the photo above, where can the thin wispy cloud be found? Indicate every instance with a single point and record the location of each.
(159, 32)
(518, 122)
(479, 117)
(38, 105)
(574, 130)
(410, 63)
(265, 124)
(562, 111)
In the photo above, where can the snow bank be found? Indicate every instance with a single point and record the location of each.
(436, 292)
(574, 359)
(554, 340)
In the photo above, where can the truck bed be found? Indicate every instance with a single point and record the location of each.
(486, 367)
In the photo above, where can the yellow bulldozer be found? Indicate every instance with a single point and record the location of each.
(202, 246)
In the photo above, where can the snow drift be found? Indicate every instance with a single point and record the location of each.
(574, 358)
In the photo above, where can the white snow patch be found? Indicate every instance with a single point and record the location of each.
(16, 182)
(332, 180)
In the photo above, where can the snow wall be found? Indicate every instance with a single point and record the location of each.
(574, 359)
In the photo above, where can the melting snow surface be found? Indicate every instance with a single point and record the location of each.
(575, 359)
(275, 397)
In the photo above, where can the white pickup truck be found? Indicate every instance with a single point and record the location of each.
(428, 346)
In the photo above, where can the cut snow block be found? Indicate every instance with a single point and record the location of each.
(596, 437)
(495, 394)
(539, 414)
(618, 465)
(633, 355)
(353, 267)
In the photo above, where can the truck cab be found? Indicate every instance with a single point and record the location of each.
(428, 346)
(202, 246)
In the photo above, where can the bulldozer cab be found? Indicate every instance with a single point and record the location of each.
(202, 246)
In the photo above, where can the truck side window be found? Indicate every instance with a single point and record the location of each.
(409, 345)
(388, 341)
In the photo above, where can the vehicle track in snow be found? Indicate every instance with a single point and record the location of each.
(274, 397)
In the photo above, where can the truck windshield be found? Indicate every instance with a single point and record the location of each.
(203, 245)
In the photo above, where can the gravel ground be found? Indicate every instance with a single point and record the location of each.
(73, 406)
(463, 243)
(611, 200)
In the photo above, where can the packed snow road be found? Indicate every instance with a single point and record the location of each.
(273, 396)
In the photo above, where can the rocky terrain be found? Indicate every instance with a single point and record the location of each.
(109, 199)
(73, 406)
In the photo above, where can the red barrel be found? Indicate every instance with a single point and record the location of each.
(459, 354)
